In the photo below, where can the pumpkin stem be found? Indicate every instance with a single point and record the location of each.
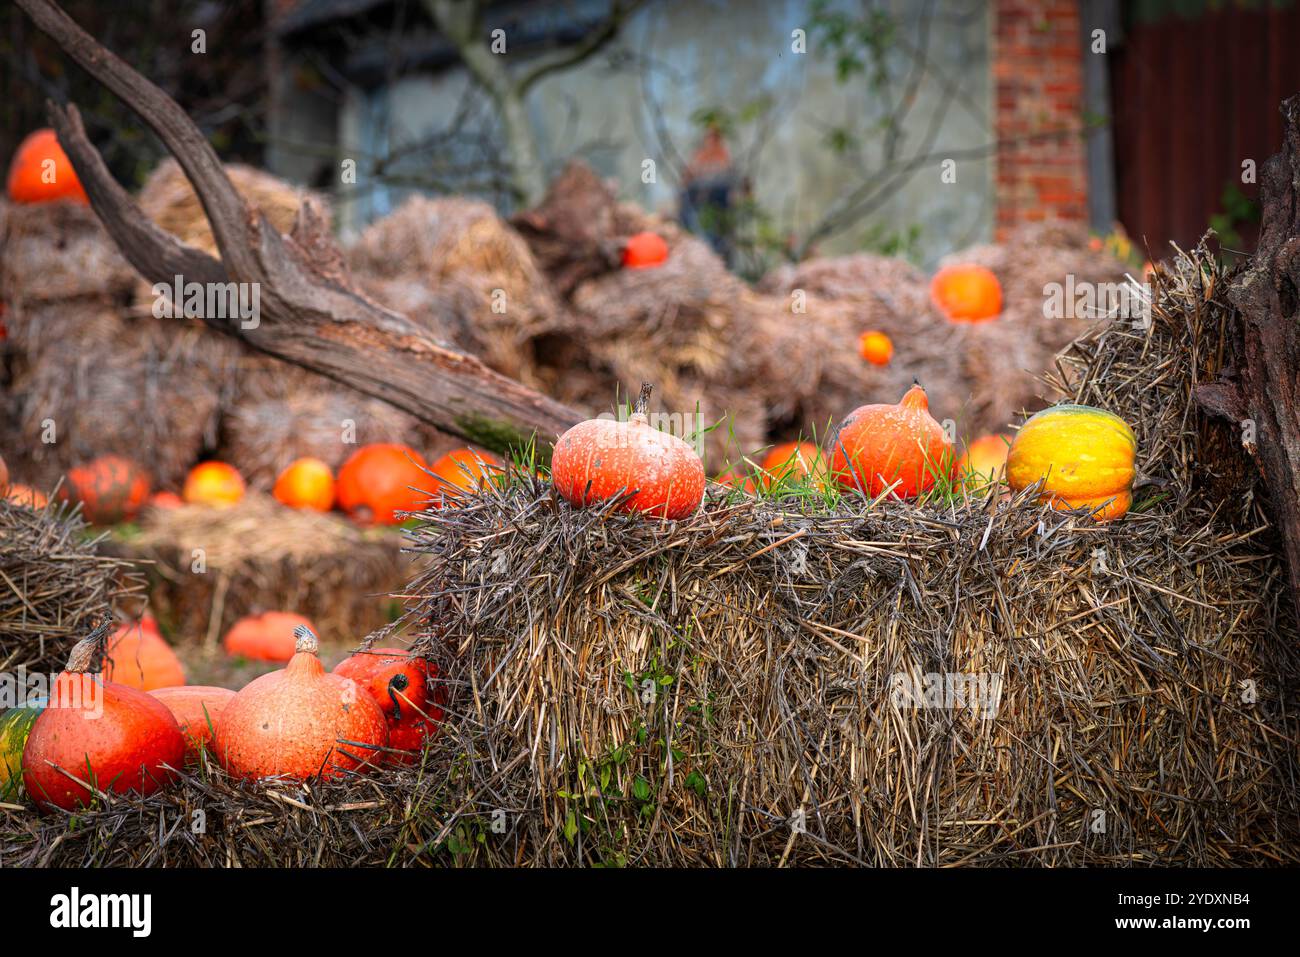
(397, 683)
(304, 640)
(643, 399)
(87, 655)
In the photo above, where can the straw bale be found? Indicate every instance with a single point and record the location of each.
(52, 252)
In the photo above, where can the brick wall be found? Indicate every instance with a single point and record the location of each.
(1038, 110)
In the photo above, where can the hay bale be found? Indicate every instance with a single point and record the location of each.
(106, 383)
(725, 690)
(54, 252)
(55, 586)
(170, 201)
(277, 412)
(260, 556)
(434, 242)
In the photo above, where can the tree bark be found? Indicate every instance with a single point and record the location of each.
(308, 314)
(1260, 387)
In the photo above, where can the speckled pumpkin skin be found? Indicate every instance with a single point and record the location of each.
(1086, 455)
(196, 709)
(292, 722)
(133, 745)
(618, 457)
(878, 444)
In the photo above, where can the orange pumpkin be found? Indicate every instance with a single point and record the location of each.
(213, 483)
(876, 347)
(139, 657)
(645, 251)
(300, 722)
(967, 293)
(984, 459)
(880, 444)
(165, 500)
(25, 495)
(41, 172)
(306, 483)
(110, 489)
(393, 677)
(264, 637)
(737, 479)
(379, 480)
(791, 461)
(196, 709)
(96, 731)
(4, 478)
(464, 470)
(603, 459)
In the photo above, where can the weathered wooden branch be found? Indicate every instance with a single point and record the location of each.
(308, 315)
(1261, 379)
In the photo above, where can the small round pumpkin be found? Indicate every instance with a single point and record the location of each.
(876, 347)
(392, 677)
(110, 489)
(26, 495)
(139, 657)
(104, 734)
(603, 459)
(41, 172)
(165, 500)
(215, 484)
(196, 709)
(380, 480)
(983, 460)
(1085, 457)
(463, 470)
(300, 722)
(967, 293)
(645, 251)
(268, 636)
(306, 483)
(880, 444)
(738, 479)
(791, 461)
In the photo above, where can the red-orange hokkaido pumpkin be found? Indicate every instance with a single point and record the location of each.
(602, 459)
(403, 686)
(40, 172)
(880, 444)
(196, 709)
(139, 657)
(379, 480)
(107, 735)
(300, 722)
(463, 470)
(645, 251)
(110, 489)
(265, 637)
(967, 293)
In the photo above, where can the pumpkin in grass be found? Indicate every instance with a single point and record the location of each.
(967, 293)
(215, 484)
(15, 726)
(306, 483)
(464, 470)
(25, 495)
(300, 722)
(1084, 456)
(379, 480)
(603, 459)
(40, 172)
(111, 489)
(737, 479)
(104, 734)
(265, 637)
(876, 348)
(983, 460)
(196, 709)
(792, 461)
(878, 445)
(645, 251)
(139, 657)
